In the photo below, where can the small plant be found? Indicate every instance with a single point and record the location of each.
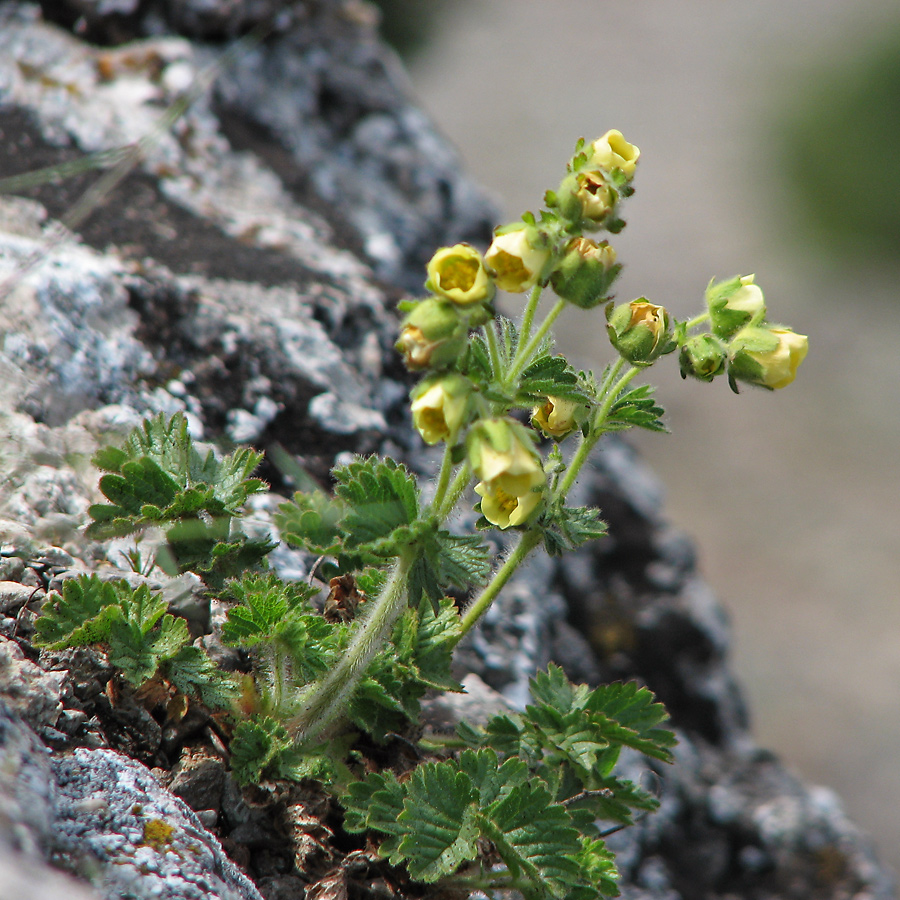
(524, 803)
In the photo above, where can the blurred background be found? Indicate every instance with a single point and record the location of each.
(770, 141)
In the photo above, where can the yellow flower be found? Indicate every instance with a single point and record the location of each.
(439, 407)
(612, 151)
(734, 304)
(511, 475)
(748, 298)
(432, 335)
(596, 197)
(773, 363)
(558, 417)
(516, 259)
(458, 274)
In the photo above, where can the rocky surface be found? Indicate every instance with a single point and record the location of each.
(244, 272)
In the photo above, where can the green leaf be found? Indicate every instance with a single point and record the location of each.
(159, 478)
(599, 873)
(550, 376)
(463, 561)
(635, 408)
(380, 496)
(565, 528)
(440, 810)
(265, 604)
(375, 804)
(193, 673)
(261, 747)
(536, 839)
(277, 617)
(137, 647)
(311, 521)
(635, 710)
(82, 614)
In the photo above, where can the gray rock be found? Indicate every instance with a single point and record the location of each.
(27, 690)
(114, 821)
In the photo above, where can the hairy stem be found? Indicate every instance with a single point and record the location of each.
(525, 354)
(597, 430)
(527, 542)
(697, 320)
(329, 697)
(459, 484)
(528, 316)
(443, 479)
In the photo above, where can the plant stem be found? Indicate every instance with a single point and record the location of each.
(697, 320)
(527, 542)
(460, 483)
(597, 430)
(443, 480)
(490, 334)
(329, 697)
(524, 354)
(528, 316)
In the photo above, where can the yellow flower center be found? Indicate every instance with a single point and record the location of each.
(509, 268)
(458, 273)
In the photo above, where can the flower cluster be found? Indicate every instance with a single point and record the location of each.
(478, 368)
(741, 341)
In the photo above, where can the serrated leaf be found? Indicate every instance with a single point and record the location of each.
(637, 712)
(193, 673)
(441, 810)
(550, 376)
(566, 528)
(635, 408)
(82, 614)
(264, 605)
(599, 873)
(258, 746)
(159, 477)
(536, 839)
(380, 496)
(138, 651)
(463, 561)
(311, 521)
(375, 804)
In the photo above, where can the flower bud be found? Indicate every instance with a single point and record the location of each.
(612, 151)
(502, 455)
(432, 336)
(458, 274)
(517, 257)
(440, 406)
(558, 417)
(768, 356)
(585, 273)
(703, 356)
(639, 331)
(733, 304)
(586, 198)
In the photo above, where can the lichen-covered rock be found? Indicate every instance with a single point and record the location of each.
(244, 271)
(113, 819)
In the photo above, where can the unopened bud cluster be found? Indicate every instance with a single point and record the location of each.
(741, 341)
